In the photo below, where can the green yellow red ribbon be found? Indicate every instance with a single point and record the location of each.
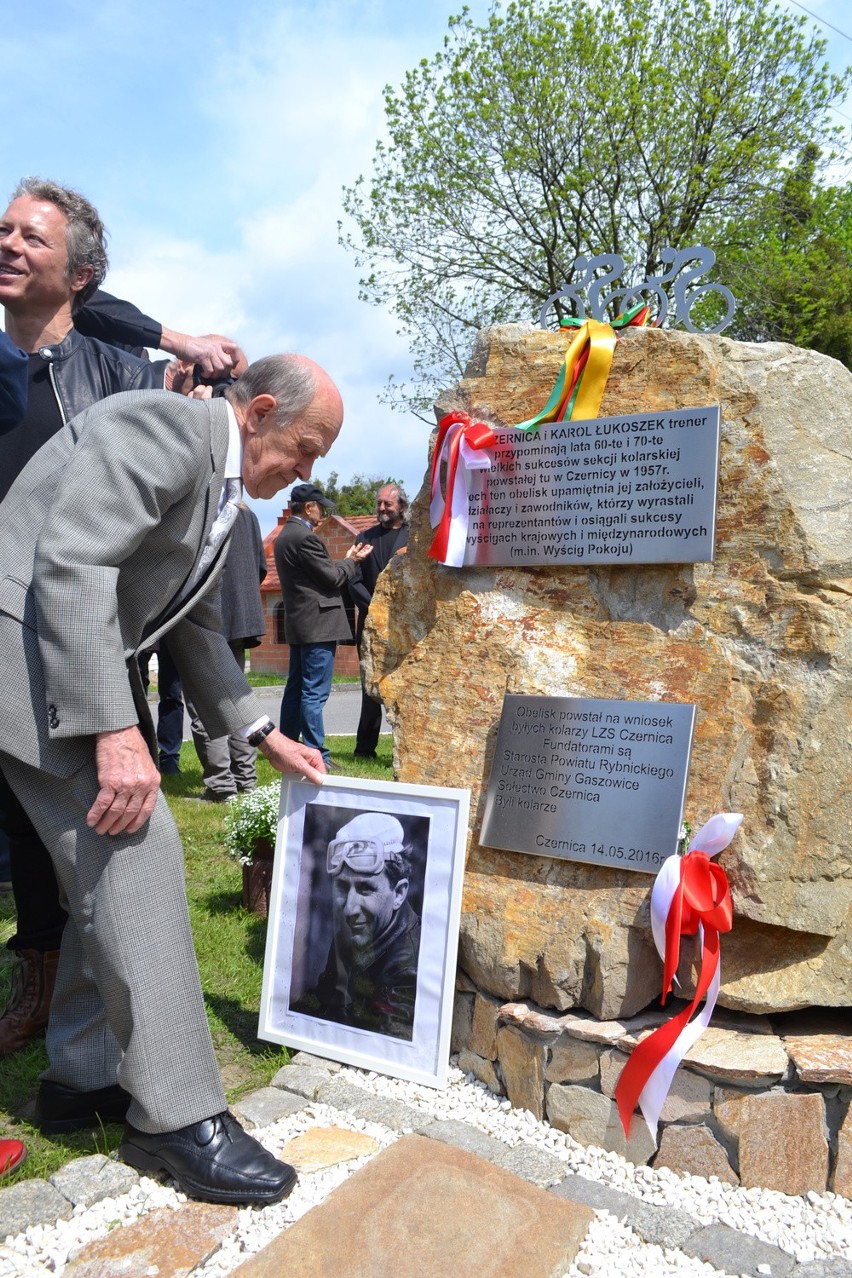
(582, 379)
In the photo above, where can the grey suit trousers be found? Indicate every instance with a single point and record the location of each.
(128, 1005)
(228, 764)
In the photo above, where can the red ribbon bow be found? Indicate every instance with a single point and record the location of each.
(702, 899)
(452, 430)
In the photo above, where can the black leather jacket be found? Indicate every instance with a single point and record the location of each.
(84, 370)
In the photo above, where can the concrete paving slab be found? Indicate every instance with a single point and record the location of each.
(316, 1062)
(464, 1136)
(737, 1253)
(421, 1208)
(304, 1080)
(393, 1114)
(87, 1181)
(831, 1268)
(267, 1105)
(663, 1226)
(31, 1202)
(535, 1165)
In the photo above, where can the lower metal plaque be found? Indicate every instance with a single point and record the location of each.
(589, 780)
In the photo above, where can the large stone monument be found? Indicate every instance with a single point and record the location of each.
(760, 640)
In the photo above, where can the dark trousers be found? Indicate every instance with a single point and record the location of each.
(40, 916)
(370, 722)
(369, 725)
(170, 708)
(228, 764)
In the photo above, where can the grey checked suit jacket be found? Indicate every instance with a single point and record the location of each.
(98, 536)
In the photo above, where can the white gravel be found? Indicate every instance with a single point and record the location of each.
(818, 1225)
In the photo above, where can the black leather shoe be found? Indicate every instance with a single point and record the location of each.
(214, 1160)
(65, 1109)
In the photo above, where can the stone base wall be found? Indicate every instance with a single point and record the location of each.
(758, 1101)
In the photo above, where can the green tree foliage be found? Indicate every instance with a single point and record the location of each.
(790, 264)
(358, 497)
(560, 128)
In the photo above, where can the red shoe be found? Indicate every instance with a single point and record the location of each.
(13, 1154)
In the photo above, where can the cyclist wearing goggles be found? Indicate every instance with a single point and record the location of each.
(370, 977)
(365, 844)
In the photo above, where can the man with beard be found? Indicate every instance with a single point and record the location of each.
(389, 537)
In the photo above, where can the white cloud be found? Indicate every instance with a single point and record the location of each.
(295, 115)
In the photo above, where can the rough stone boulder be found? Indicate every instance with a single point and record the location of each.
(760, 640)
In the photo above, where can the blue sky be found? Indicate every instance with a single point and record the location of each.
(215, 140)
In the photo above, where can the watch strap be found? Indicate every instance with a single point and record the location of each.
(261, 734)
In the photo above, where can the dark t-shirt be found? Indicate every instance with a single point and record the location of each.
(385, 543)
(20, 441)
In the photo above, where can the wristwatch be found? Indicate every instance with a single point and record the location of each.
(261, 734)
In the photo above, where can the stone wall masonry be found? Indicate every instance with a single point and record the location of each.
(744, 1106)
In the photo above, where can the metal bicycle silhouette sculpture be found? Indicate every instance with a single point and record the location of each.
(673, 291)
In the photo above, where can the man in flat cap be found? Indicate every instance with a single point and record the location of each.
(314, 613)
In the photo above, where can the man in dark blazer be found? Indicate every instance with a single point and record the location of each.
(314, 613)
(113, 535)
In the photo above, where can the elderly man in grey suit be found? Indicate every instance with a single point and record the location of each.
(113, 535)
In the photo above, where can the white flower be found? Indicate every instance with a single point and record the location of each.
(251, 817)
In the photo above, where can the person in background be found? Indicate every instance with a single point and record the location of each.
(229, 764)
(314, 613)
(13, 403)
(389, 537)
(169, 707)
(13, 381)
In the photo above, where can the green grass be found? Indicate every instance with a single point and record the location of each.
(229, 943)
(260, 680)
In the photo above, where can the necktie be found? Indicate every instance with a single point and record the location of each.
(219, 530)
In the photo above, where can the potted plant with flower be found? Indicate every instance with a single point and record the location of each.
(251, 825)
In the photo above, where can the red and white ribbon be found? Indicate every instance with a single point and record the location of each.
(690, 894)
(461, 444)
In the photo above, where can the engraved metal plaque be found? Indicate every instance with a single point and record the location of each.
(614, 490)
(584, 779)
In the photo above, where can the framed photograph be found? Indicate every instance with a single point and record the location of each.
(363, 925)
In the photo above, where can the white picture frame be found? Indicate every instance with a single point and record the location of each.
(329, 986)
